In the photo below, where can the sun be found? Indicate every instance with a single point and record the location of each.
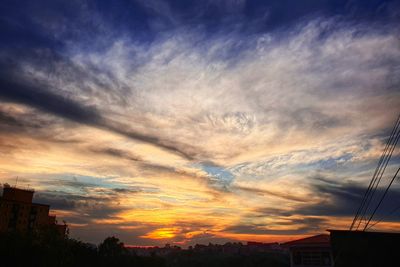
(162, 233)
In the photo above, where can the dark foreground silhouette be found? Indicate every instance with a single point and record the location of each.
(49, 249)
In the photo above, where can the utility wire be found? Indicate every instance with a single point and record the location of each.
(372, 182)
(369, 187)
(363, 207)
(395, 139)
(382, 198)
(383, 217)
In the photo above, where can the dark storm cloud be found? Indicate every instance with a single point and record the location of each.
(47, 101)
(305, 225)
(65, 201)
(104, 210)
(66, 108)
(343, 199)
(30, 124)
(62, 202)
(337, 199)
(89, 207)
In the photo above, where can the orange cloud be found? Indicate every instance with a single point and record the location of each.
(162, 233)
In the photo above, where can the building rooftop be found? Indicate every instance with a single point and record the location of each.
(316, 240)
(17, 194)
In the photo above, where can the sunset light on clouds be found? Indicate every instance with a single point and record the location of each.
(162, 122)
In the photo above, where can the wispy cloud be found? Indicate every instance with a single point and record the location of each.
(191, 135)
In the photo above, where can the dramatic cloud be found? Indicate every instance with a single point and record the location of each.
(218, 121)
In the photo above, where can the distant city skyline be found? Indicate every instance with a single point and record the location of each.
(189, 122)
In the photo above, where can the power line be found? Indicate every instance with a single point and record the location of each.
(381, 171)
(382, 198)
(374, 182)
(383, 217)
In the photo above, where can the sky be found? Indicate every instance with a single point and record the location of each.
(189, 122)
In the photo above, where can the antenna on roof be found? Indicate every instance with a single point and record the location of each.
(16, 182)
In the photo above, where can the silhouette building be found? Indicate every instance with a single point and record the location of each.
(18, 213)
(311, 251)
(367, 249)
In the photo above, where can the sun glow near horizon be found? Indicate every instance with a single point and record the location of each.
(191, 127)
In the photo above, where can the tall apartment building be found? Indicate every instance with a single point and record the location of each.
(19, 213)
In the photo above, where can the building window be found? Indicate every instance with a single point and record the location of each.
(312, 258)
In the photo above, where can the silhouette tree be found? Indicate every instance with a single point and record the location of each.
(111, 247)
